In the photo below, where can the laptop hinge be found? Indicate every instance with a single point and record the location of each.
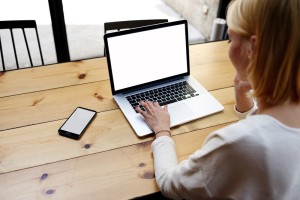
(152, 85)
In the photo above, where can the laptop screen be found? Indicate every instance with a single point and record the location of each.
(148, 54)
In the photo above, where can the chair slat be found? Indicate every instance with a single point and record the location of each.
(27, 47)
(38, 40)
(2, 58)
(14, 46)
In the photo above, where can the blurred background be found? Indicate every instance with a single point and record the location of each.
(73, 29)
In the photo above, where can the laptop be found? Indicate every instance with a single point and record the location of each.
(152, 63)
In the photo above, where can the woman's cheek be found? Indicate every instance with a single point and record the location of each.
(234, 54)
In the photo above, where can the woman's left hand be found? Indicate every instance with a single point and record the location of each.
(243, 101)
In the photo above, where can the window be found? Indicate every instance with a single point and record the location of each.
(84, 21)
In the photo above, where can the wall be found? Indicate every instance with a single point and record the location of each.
(200, 13)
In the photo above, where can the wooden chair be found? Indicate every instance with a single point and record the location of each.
(19, 24)
(119, 25)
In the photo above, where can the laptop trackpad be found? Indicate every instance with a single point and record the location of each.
(180, 113)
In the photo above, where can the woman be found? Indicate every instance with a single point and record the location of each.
(258, 157)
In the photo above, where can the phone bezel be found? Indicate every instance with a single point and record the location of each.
(71, 134)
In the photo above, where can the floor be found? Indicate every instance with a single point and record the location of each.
(85, 31)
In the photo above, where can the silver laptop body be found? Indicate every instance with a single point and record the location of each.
(148, 59)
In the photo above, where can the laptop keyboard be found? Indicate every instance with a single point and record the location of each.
(165, 95)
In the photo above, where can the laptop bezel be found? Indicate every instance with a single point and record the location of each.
(141, 29)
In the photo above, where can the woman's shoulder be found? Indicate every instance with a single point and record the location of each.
(253, 127)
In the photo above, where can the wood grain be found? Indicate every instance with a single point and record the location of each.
(40, 144)
(117, 174)
(52, 76)
(48, 105)
(212, 52)
(110, 161)
(214, 76)
(55, 104)
(86, 71)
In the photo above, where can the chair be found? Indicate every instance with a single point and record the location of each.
(19, 24)
(119, 25)
(223, 4)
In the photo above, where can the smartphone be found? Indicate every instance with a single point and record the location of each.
(77, 123)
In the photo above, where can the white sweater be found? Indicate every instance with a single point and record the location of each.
(255, 158)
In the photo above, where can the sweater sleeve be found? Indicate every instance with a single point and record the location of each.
(186, 179)
(243, 115)
(164, 155)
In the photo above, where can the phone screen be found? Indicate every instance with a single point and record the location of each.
(78, 121)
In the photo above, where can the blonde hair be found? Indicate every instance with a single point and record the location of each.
(274, 71)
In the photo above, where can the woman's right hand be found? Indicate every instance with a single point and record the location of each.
(157, 118)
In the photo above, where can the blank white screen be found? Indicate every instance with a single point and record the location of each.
(78, 121)
(147, 56)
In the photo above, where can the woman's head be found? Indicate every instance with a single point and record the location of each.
(272, 29)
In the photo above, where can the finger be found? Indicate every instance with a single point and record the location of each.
(139, 110)
(149, 107)
(245, 86)
(166, 108)
(142, 103)
(156, 104)
(146, 106)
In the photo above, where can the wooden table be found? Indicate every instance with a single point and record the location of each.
(110, 161)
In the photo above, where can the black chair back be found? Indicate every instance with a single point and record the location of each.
(119, 25)
(20, 24)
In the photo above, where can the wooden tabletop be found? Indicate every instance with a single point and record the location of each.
(109, 161)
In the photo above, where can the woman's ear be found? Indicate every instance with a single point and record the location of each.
(252, 49)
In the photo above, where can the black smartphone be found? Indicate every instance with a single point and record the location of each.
(77, 123)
